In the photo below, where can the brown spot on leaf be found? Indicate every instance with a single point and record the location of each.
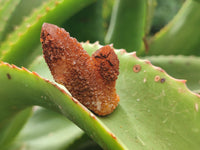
(136, 68)
(157, 78)
(162, 80)
(8, 76)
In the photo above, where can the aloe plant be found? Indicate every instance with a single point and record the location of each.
(157, 110)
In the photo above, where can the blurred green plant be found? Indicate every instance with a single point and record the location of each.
(164, 12)
(156, 111)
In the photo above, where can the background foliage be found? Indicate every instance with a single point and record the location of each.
(155, 110)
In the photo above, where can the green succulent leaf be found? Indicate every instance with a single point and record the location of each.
(151, 5)
(21, 43)
(124, 31)
(181, 35)
(5, 12)
(21, 47)
(21, 11)
(86, 22)
(47, 130)
(45, 94)
(152, 112)
(11, 127)
(84, 143)
(181, 67)
(155, 110)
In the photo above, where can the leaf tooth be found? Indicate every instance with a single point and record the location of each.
(122, 51)
(92, 116)
(15, 67)
(155, 67)
(35, 73)
(1, 63)
(39, 16)
(48, 9)
(5, 64)
(25, 69)
(96, 43)
(181, 80)
(159, 69)
(57, 2)
(113, 136)
(198, 95)
(87, 42)
(147, 62)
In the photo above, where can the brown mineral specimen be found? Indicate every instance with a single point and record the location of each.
(91, 80)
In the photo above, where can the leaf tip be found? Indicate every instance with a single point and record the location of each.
(113, 136)
(23, 68)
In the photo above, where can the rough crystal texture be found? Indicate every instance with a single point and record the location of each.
(91, 80)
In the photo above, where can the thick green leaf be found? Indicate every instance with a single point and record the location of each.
(11, 127)
(5, 13)
(21, 11)
(151, 113)
(17, 94)
(87, 24)
(181, 67)
(127, 26)
(164, 13)
(21, 43)
(21, 46)
(181, 35)
(47, 130)
(151, 4)
(84, 143)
